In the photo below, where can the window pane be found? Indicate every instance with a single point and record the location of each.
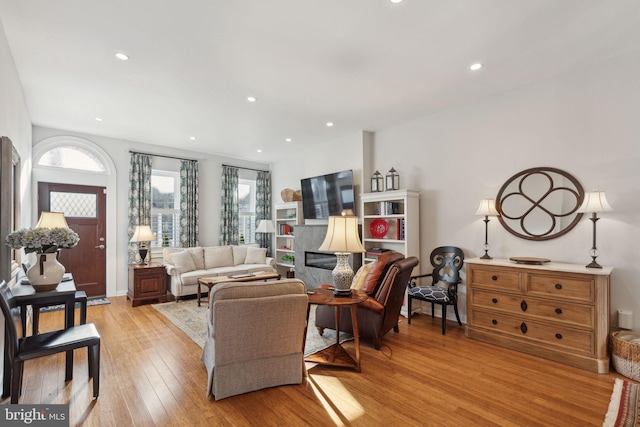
(162, 192)
(244, 198)
(165, 228)
(247, 227)
(81, 205)
(73, 158)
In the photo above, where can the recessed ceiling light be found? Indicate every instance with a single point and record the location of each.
(475, 67)
(193, 138)
(122, 56)
(252, 99)
(395, 1)
(99, 119)
(288, 139)
(259, 150)
(330, 124)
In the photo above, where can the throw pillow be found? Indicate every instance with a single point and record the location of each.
(378, 270)
(218, 256)
(256, 256)
(361, 275)
(183, 261)
(197, 254)
(239, 254)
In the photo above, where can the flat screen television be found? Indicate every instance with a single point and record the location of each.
(327, 195)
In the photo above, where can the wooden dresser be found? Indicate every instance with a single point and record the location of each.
(556, 311)
(147, 282)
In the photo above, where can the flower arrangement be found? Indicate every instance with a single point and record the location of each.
(42, 240)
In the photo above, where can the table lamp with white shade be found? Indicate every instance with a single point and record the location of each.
(266, 226)
(141, 235)
(52, 220)
(487, 208)
(342, 239)
(594, 202)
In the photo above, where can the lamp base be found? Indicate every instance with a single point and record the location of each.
(342, 275)
(341, 292)
(142, 252)
(593, 264)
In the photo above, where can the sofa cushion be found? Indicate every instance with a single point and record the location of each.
(256, 256)
(239, 254)
(191, 277)
(182, 261)
(361, 276)
(378, 270)
(197, 254)
(218, 256)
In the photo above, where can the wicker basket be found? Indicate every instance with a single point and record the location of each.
(626, 354)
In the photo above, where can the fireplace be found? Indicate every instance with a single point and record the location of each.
(314, 268)
(320, 260)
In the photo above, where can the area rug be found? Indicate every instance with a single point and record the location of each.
(623, 408)
(191, 319)
(90, 301)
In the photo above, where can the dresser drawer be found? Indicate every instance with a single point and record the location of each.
(496, 279)
(561, 287)
(557, 311)
(549, 334)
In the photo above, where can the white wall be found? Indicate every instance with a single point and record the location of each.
(16, 124)
(584, 123)
(313, 160)
(210, 170)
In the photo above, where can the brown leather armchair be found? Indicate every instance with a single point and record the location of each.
(381, 311)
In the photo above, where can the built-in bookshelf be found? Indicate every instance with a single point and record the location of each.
(390, 221)
(288, 215)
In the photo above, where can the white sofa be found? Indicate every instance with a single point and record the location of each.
(186, 265)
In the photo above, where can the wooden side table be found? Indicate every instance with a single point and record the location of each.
(336, 355)
(147, 282)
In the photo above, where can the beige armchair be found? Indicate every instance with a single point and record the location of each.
(255, 336)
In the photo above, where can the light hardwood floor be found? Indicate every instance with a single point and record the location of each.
(151, 375)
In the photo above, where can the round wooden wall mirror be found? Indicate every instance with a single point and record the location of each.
(540, 203)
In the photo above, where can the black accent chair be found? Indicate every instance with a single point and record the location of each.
(21, 348)
(447, 261)
(81, 299)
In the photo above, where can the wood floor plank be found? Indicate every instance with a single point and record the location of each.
(151, 375)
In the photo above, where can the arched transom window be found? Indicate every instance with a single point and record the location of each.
(72, 157)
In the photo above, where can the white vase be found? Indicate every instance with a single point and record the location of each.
(46, 273)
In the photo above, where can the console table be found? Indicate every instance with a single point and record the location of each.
(556, 311)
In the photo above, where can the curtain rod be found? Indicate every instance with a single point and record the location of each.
(162, 155)
(249, 169)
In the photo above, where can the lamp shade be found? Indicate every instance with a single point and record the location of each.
(265, 226)
(142, 233)
(52, 220)
(342, 235)
(487, 208)
(595, 201)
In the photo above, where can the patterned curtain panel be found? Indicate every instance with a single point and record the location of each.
(263, 207)
(229, 203)
(139, 197)
(188, 203)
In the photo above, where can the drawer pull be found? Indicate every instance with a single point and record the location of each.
(494, 277)
(559, 336)
(558, 310)
(524, 306)
(494, 300)
(523, 328)
(558, 286)
(494, 321)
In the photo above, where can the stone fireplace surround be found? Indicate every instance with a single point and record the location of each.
(309, 238)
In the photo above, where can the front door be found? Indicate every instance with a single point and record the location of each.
(84, 208)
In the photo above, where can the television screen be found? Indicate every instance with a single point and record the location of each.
(327, 195)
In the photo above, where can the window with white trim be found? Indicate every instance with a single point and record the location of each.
(165, 208)
(246, 210)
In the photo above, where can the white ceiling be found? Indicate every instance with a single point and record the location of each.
(363, 64)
